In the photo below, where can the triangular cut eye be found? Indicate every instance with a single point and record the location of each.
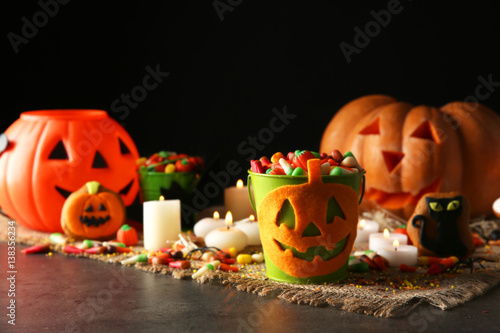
(392, 159)
(123, 147)
(99, 161)
(333, 210)
(286, 215)
(89, 209)
(372, 129)
(426, 131)
(59, 152)
(101, 208)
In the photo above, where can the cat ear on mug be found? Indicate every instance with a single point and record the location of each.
(439, 226)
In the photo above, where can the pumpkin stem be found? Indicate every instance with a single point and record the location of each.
(93, 187)
(314, 170)
(125, 227)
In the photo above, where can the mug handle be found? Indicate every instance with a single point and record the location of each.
(362, 190)
(249, 184)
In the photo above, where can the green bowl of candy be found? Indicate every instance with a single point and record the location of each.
(168, 174)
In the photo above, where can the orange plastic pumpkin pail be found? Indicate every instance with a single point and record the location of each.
(52, 153)
(307, 224)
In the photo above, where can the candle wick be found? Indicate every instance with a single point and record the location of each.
(395, 249)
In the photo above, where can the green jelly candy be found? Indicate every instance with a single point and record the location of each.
(348, 153)
(337, 171)
(298, 171)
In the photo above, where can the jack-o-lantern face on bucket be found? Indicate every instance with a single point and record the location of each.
(53, 153)
(92, 212)
(408, 151)
(308, 230)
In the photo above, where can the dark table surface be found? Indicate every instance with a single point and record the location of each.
(63, 294)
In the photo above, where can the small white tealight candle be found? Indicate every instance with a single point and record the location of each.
(385, 239)
(227, 237)
(204, 226)
(399, 254)
(365, 229)
(237, 201)
(161, 222)
(251, 228)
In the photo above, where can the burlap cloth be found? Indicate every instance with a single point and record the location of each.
(382, 294)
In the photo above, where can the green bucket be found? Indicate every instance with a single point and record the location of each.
(259, 185)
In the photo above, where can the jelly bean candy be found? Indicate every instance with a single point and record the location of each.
(265, 161)
(286, 166)
(298, 171)
(337, 156)
(184, 165)
(351, 162)
(276, 157)
(256, 166)
(244, 259)
(338, 171)
(301, 157)
(277, 171)
(290, 156)
(325, 168)
(169, 168)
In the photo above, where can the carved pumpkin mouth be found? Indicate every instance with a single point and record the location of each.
(124, 191)
(313, 251)
(395, 200)
(92, 221)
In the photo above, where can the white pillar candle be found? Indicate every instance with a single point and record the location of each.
(204, 226)
(161, 222)
(237, 201)
(251, 228)
(399, 254)
(385, 239)
(365, 229)
(227, 237)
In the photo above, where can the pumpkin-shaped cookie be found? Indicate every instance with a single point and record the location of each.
(93, 212)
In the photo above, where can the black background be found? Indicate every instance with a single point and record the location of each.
(226, 76)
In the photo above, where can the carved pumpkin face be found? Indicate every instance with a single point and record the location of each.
(92, 212)
(309, 229)
(409, 151)
(53, 153)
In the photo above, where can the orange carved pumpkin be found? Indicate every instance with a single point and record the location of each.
(92, 212)
(308, 230)
(52, 153)
(408, 151)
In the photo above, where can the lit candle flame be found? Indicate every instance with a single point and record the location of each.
(162, 198)
(251, 217)
(395, 244)
(362, 224)
(229, 219)
(216, 215)
(386, 233)
(239, 183)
